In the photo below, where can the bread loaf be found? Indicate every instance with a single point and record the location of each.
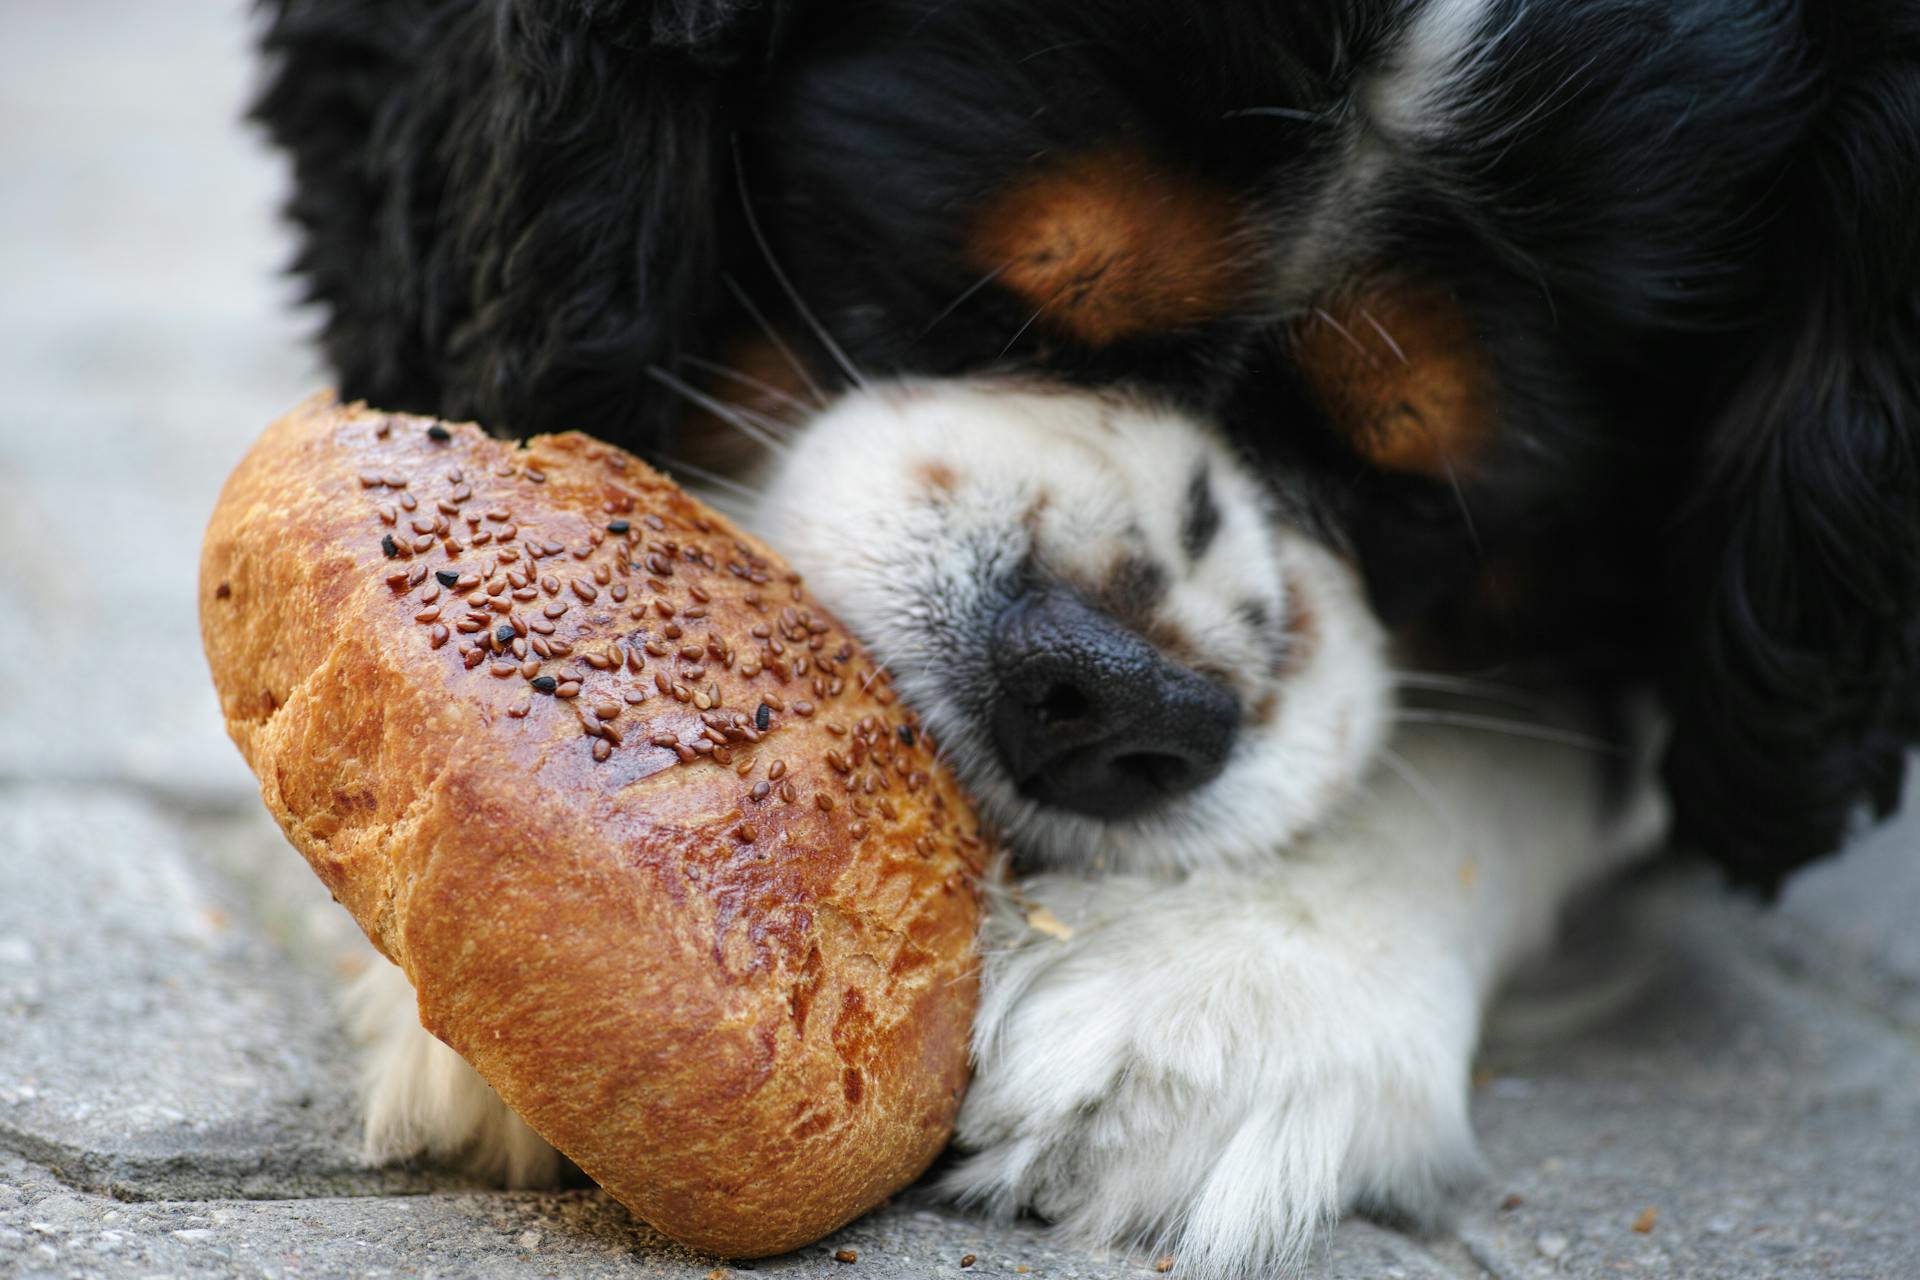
(662, 855)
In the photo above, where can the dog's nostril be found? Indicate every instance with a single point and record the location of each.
(1090, 717)
(1062, 704)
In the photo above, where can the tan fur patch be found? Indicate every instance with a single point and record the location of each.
(936, 477)
(1111, 244)
(1397, 368)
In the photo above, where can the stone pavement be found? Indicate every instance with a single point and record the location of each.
(1700, 1089)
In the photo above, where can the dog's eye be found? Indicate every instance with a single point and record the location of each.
(1112, 245)
(1397, 369)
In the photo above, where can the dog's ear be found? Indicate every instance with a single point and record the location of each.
(591, 179)
(513, 207)
(1796, 584)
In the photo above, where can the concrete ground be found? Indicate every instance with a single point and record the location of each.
(1739, 1098)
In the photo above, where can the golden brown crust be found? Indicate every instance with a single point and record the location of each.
(716, 947)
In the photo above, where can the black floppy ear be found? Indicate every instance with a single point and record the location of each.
(512, 207)
(1796, 586)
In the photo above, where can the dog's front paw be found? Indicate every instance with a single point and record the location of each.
(422, 1099)
(1205, 1068)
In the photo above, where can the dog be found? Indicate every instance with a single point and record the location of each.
(1338, 477)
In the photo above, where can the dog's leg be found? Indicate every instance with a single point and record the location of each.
(421, 1098)
(1218, 1065)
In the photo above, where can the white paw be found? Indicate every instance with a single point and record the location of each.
(421, 1098)
(1212, 1069)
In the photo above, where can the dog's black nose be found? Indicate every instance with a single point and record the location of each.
(1088, 715)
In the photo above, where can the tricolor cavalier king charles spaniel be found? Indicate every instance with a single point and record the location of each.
(1338, 475)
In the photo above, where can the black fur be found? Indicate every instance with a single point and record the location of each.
(1683, 232)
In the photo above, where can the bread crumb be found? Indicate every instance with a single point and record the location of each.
(1044, 921)
(1644, 1223)
(1164, 1265)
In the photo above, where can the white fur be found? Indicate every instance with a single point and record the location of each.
(420, 1098)
(914, 572)
(1236, 1016)
(1410, 97)
(1217, 1066)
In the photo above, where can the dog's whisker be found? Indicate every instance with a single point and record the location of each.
(1404, 769)
(1511, 728)
(1385, 337)
(730, 414)
(772, 334)
(1021, 332)
(793, 295)
(711, 479)
(961, 301)
(1346, 333)
(1470, 688)
(748, 380)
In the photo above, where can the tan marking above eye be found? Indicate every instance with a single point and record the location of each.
(1397, 368)
(1112, 244)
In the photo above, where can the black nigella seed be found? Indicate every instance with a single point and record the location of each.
(438, 433)
(447, 577)
(618, 526)
(545, 684)
(906, 734)
(763, 717)
(504, 634)
(388, 545)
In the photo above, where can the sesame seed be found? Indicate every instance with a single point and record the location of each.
(428, 615)
(545, 684)
(762, 717)
(585, 590)
(569, 689)
(439, 434)
(602, 749)
(906, 734)
(606, 710)
(760, 790)
(439, 636)
(388, 545)
(823, 802)
(744, 834)
(555, 609)
(521, 706)
(618, 526)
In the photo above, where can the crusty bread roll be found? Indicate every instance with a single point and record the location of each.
(660, 852)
